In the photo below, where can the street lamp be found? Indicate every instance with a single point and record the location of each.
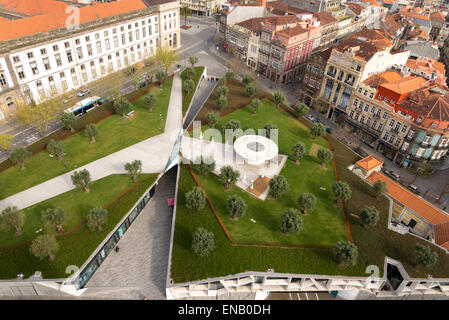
(160, 122)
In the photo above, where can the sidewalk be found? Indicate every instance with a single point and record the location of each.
(153, 152)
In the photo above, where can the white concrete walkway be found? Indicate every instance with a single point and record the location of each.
(153, 152)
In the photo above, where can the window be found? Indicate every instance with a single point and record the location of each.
(366, 108)
(16, 59)
(55, 48)
(43, 51)
(373, 109)
(371, 95)
(69, 56)
(398, 141)
(98, 46)
(106, 33)
(380, 96)
(30, 55)
(365, 92)
(360, 90)
(2, 80)
(46, 63)
(405, 146)
(77, 41)
(89, 49)
(386, 135)
(404, 128)
(392, 123)
(420, 152)
(97, 36)
(33, 67)
(380, 127)
(79, 51)
(419, 119)
(386, 99)
(108, 44)
(20, 72)
(384, 115)
(87, 38)
(427, 140)
(67, 44)
(123, 39)
(410, 135)
(393, 101)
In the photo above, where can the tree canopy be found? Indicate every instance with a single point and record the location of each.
(342, 191)
(317, 130)
(228, 176)
(301, 109)
(324, 155)
(81, 179)
(278, 186)
(203, 241)
(195, 199)
(279, 97)
(345, 252)
(369, 216)
(12, 218)
(291, 222)
(424, 256)
(96, 218)
(237, 207)
(19, 155)
(307, 202)
(44, 246)
(298, 151)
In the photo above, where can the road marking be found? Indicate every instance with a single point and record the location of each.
(306, 295)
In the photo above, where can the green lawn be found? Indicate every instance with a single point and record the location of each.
(377, 242)
(187, 98)
(115, 133)
(321, 227)
(116, 192)
(227, 259)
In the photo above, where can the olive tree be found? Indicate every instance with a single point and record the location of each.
(369, 216)
(212, 118)
(189, 72)
(44, 246)
(56, 148)
(306, 201)
(55, 216)
(256, 104)
(161, 76)
(92, 132)
(278, 186)
(222, 91)
(291, 222)
(189, 85)
(237, 207)
(205, 165)
(301, 109)
(233, 125)
(229, 75)
(96, 218)
(251, 90)
(342, 191)
(279, 98)
(68, 121)
(317, 130)
(324, 155)
(345, 252)
(203, 242)
(222, 102)
(193, 60)
(269, 130)
(228, 176)
(12, 218)
(19, 155)
(195, 199)
(247, 79)
(134, 168)
(122, 106)
(149, 101)
(81, 179)
(379, 187)
(298, 151)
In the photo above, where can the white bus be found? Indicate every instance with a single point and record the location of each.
(84, 106)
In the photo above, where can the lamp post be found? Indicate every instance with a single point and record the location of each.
(160, 122)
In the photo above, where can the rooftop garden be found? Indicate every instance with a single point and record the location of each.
(115, 193)
(115, 132)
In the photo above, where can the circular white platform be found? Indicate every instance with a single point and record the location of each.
(256, 149)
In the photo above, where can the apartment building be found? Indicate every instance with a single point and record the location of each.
(402, 113)
(202, 7)
(42, 58)
(352, 61)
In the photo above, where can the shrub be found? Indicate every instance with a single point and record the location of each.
(345, 252)
(291, 222)
(369, 216)
(161, 76)
(237, 207)
(278, 186)
(203, 242)
(424, 256)
(195, 199)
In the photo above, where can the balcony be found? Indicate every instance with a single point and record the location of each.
(330, 74)
(377, 116)
(394, 130)
(350, 82)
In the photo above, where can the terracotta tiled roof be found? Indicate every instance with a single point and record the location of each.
(405, 84)
(437, 16)
(409, 199)
(389, 1)
(281, 8)
(442, 234)
(379, 37)
(255, 24)
(325, 54)
(372, 2)
(355, 7)
(291, 32)
(393, 23)
(369, 163)
(325, 18)
(55, 20)
(35, 7)
(429, 103)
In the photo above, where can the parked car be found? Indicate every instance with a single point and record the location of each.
(414, 188)
(309, 117)
(391, 174)
(83, 92)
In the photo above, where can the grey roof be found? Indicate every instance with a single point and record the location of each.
(423, 49)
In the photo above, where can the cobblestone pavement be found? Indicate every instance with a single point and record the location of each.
(139, 269)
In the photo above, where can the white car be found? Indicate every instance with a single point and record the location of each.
(82, 93)
(310, 117)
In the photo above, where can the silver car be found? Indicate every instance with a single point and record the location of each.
(83, 92)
